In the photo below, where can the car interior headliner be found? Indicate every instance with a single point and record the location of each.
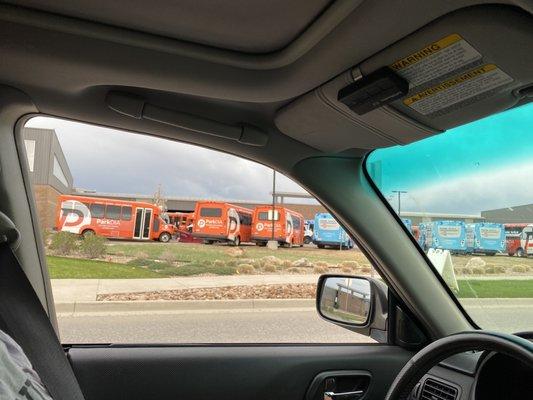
(252, 63)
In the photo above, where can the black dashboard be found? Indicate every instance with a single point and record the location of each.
(476, 376)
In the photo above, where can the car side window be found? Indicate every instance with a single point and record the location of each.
(171, 243)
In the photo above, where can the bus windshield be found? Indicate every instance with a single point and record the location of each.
(468, 193)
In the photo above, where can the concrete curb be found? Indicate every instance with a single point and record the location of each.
(109, 307)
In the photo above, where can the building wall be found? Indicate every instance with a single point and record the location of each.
(511, 215)
(47, 147)
(46, 201)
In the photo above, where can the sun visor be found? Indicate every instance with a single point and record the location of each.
(462, 67)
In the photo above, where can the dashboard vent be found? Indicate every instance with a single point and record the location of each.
(434, 390)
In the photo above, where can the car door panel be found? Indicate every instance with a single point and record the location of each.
(227, 372)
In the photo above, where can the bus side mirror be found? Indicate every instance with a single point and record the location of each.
(354, 302)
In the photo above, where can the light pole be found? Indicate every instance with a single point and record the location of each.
(272, 243)
(399, 192)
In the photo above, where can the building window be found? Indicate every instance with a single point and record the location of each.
(30, 152)
(58, 172)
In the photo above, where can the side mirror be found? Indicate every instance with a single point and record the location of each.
(356, 303)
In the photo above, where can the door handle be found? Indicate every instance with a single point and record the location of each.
(343, 395)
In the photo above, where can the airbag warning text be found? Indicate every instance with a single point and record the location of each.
(436, 60)
(458, 89)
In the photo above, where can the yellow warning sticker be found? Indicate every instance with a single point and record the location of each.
(436, 60)
(426, 52)
(457, 89)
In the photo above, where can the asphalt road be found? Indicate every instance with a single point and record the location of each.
(253, 326)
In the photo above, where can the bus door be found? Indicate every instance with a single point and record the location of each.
(143, 219)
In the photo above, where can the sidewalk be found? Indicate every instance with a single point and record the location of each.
(86, 290)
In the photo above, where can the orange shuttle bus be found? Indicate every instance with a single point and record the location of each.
(117, 219)
(222, 222)
(289, 229)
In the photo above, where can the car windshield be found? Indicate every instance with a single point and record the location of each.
(466, 196)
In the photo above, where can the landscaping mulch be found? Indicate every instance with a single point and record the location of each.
(281, 291)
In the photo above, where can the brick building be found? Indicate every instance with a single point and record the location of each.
(49, 172)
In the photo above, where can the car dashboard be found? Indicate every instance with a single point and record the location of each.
(477, 375)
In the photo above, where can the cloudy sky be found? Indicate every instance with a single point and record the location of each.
(108, 160)
(480, 166)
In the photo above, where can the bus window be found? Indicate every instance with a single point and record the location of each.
(246, 219)
(296, 222)
(112, 212)
(267, 216)
(126, 213)
(97, 210)
(211, 212)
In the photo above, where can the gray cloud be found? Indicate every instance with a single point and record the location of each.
(108, 160)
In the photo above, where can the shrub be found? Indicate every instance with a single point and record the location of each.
(93, 246)
(64, 243)
(519, 268)
(269, 267)
(142, 254)
(346, 269)
(320, 269)
(294, 270)
(168, 256)
(349, 265)
(219, 263)
(287, 263)
(302, 263)
(477, 270)
(245, 269)
(476, 262)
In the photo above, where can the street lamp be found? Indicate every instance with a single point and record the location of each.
(272, 243)
(399, 192)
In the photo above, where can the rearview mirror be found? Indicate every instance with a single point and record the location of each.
(354, 302)
(345, 299)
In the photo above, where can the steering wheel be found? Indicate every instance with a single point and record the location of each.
(511, 345)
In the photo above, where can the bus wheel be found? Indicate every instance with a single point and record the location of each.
(307, 240)
(208, 241)
(164, 237)
(520, 252)
(88, 232)
(236, 241)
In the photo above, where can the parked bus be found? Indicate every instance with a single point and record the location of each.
(421, 239)
(222, 222)
(512, 239)
(526, 242)
(328, 232)
(288, 226)
(485, 237)
(408, 224)
(117, 219)
(309, 228)
(446, 235)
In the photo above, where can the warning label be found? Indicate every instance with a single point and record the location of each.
(458, 89)
(436, 60)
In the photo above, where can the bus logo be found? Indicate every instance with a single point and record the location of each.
(201, 223)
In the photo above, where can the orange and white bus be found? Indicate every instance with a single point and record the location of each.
(117, 219)
(222, 222)
(289, 226)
